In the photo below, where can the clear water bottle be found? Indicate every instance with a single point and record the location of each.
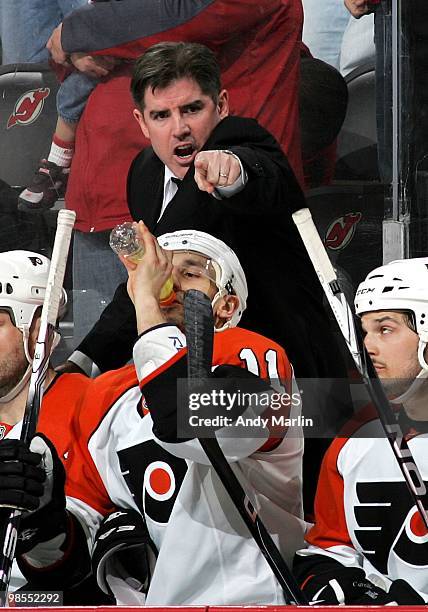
(124, 241)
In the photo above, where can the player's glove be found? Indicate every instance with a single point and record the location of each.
(123, 557)
(32, 480)
(325, 581)
(403, 594)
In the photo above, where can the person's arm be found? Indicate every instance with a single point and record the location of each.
(358, 8)
(109, 343)
(160, 366)
(127, 28)
(95, 67)
(269, 184)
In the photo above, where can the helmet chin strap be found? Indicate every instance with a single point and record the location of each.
(18, 387)
(27, 374)
(423, 374)
(26, 377)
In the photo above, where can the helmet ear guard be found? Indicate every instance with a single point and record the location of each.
(400, 285)
(229, 275)
(23, 282)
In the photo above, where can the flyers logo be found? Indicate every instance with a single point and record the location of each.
(388, 522)
(28, 107)
(154, 478)
(36, 261)
(341, 231)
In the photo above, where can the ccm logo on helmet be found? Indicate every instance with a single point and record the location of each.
(28, 107)
(366, 290)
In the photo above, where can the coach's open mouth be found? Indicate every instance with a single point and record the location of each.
(184, 151)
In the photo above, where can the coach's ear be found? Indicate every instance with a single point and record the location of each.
(224, 309)
(139, 117)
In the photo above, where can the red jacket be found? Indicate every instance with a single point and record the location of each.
(257, 45)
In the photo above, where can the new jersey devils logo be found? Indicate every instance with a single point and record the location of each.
(341, 231)
(28, 107)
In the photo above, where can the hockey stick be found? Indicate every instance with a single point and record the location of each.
(199, 324)
(42, 353)
(345, 319)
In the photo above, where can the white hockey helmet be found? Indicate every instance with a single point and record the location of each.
(399, 285)
(23, 281)
(229, 275)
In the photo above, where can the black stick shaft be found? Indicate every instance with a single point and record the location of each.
(199, 332)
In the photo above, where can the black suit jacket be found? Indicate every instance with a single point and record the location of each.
(285, 298)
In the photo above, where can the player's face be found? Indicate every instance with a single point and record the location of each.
(190, 271)
(178, 121)
(393, 347)
(13, 362)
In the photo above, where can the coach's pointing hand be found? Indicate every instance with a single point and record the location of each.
(216, 169)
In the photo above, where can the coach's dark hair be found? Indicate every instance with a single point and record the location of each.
(168, 61)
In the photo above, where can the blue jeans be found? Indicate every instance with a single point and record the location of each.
(73, 94)
(97, 271)
(323, 28)
(26, 25)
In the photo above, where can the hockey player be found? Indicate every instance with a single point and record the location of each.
(23, 280)
(129, 453)
(369, 544)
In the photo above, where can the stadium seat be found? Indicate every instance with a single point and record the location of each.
(357, 140)
(27, 119)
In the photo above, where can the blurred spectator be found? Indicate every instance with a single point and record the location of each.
(336, 37)
(358, 46)
(25, 26)
(51, 178)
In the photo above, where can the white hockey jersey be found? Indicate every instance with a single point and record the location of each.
(364, 514)
(206, 555)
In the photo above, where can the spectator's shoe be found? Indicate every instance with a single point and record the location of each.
(48, 185)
